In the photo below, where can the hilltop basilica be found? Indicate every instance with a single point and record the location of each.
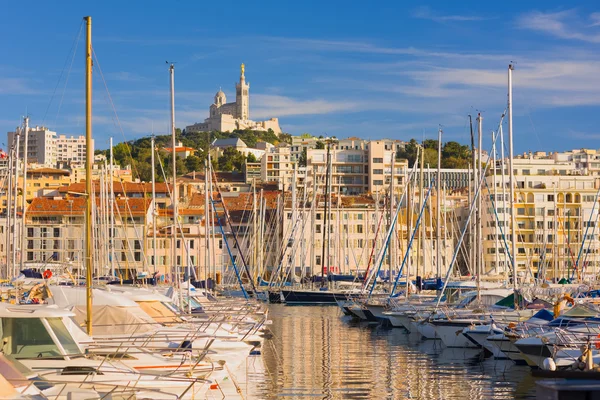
(226, 117)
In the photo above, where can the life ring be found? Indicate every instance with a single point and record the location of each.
(47, 274)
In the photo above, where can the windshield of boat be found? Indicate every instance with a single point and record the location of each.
(27, 338)
(64, 336)
(193, 302)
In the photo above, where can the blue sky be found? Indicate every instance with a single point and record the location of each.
(373, 70)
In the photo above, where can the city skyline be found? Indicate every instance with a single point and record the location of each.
(320, 69)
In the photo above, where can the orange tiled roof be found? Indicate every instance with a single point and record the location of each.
(76, 206)
(123, 188)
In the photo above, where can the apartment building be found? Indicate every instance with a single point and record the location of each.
(55, 232)
(357, 227)
(357, 168)
(556, 220)
(278, 166)
(46, 148)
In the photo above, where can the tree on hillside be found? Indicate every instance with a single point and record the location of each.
(409, 152)
(251, 158)
(319, 145)
(230, 160)
(193, 163)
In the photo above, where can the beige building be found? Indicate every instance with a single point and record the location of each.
(227, 117)
(556, 220)
(278, 166)
(355, 171)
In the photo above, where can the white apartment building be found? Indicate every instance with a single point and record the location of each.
(41, 145)
(44, 147)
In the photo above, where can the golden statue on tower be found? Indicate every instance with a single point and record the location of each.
(243, 68)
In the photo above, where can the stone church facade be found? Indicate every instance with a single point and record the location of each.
(226, 117)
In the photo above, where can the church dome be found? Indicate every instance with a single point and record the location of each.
(220, 98)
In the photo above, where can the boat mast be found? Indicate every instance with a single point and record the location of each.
(174, 190)
(479, 203)
(24, 195)
(14, 210)
(392, 251)
(325, 221)
(438, 212)
(112, 212)
(512, 182)
(472, 192)
(88, 173)
(153, 209)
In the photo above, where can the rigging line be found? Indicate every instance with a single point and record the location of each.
(112, 104)
(74, 50)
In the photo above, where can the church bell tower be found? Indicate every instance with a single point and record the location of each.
(242, 98)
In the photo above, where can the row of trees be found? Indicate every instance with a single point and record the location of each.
(138, 153)
(454, 154)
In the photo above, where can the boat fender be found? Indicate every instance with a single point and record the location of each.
(597, 342)
(549, 364)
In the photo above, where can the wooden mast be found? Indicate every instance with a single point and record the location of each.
(88, 173)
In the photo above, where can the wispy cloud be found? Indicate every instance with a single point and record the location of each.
(426, 12)
(563, 24)
(17, 86)
(369, 47)
(269, 105)
(125, 76)
(584, 135)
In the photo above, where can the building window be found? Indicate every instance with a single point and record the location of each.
(378, 182)
(378, 160)
(318, 260)
(378, 171)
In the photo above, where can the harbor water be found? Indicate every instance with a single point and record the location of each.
(315, 352)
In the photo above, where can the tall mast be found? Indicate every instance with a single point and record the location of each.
(206, 228)
(88, 173)
(512, 181)
(325, 253)
(392, 250)
(503, 181)
(9, 222)
(14, 205)
(112, 212)
(153, 209)
(24, 196)
(438, 212)
(174, 191)
(478, 220)
(472, 231)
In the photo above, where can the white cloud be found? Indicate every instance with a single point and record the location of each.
(269, 105)
(426, 12)
(16, 86)
(562, 24)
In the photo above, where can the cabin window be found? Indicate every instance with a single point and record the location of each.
(63, 335)
(27, 338)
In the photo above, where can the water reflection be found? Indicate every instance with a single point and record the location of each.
(317, 353)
